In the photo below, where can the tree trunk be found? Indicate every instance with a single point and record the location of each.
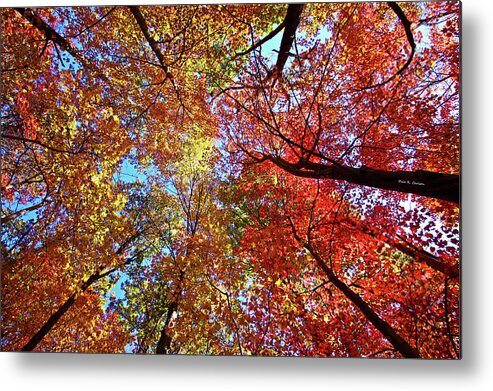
(291, 22)
(164, 343)
(401, 345)
(46, 328)
(53, 319)
(418, 255)
(424, 183)
(152, 43)
(430, 260)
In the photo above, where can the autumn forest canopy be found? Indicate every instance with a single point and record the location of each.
(252, 179)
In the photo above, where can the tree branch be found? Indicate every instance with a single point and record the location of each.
(425, 183)
(291, 22)
(150, 40)
(410, 38)
(55, 317)
(37, 142)
(11, 216)
(381, 325)
(57, 39)
(267, 38)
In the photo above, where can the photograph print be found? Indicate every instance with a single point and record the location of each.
(234, 179)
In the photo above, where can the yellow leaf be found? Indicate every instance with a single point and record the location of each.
(95, 179)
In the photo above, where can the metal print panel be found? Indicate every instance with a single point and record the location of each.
(237, 179)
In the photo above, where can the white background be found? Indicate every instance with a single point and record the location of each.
(20, 371)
